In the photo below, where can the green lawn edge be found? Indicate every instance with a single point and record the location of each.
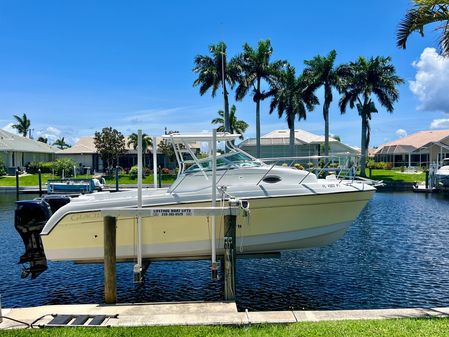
(428, 327)
(33, 180)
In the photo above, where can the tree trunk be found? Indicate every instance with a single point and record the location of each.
(326, 131)
(292, 136)
(225, 94)
(258, 120)
(226, 109)
(363, 146)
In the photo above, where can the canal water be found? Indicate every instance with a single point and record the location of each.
(395, 255)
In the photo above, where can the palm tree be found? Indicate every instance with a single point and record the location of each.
(254, 66)
(292, 98)
(42, 140)
(214, 72)
(236, 125)
(319, 72)
(23, 124)
(146, 142)
(365, 78)
(425, 12)
(61, 144)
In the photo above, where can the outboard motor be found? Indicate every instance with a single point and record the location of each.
(31, 217)
(56, 201)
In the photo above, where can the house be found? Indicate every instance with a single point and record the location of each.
(418, 149)
(276, 144)
(18, 151)
(85, 154)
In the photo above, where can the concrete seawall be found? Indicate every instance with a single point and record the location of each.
(200, 313)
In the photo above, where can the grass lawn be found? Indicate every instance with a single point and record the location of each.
(396, 175)
(33, 180)
(148, 180)
(427, 327)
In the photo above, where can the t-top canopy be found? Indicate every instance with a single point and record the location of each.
(200, 137)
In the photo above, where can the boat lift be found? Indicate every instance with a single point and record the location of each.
(230, 213)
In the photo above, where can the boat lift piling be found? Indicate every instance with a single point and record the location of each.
(40, 182)
(110, 259)
(214, 204)
(138, 272)
(230, 254)
(110, 223)
(155, 162)
(17, 184)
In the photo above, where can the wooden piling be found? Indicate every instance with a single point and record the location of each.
(110, 258)
(116, 178)
(229, 255)
(17, 184)
(159, 177)
(40, 182)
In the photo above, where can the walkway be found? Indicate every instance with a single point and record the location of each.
(202, 313)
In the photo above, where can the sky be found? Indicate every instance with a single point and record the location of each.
(75, 67)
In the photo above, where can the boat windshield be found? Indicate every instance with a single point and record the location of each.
(226, 161)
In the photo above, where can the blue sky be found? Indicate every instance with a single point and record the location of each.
(75, 67)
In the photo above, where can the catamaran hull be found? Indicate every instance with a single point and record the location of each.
(274, 224)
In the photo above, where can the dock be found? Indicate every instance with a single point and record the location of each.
(195, 313)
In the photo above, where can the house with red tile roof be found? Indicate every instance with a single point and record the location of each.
(419, 149)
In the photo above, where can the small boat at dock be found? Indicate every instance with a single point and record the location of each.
(70, 186)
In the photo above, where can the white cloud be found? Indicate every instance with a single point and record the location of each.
(440, 123)
(431, 82)
(53, 131)
(401, 133)
(9, 128)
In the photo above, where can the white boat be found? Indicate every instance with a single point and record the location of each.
(289, 209)
(442, 174)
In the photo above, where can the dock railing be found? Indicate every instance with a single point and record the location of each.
(343, 165)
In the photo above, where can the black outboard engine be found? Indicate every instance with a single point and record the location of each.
(30, 218)
(56, 201)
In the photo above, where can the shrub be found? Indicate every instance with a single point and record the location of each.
(299, 167)
(388, 166)
(45, 166)
(2, 168)
(134, 170)
(165, 170)
(310, 164)
(371, 164)
(65, 164)
(147, 171)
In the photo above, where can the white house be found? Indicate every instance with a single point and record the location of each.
(18, 151)
(276, 144)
